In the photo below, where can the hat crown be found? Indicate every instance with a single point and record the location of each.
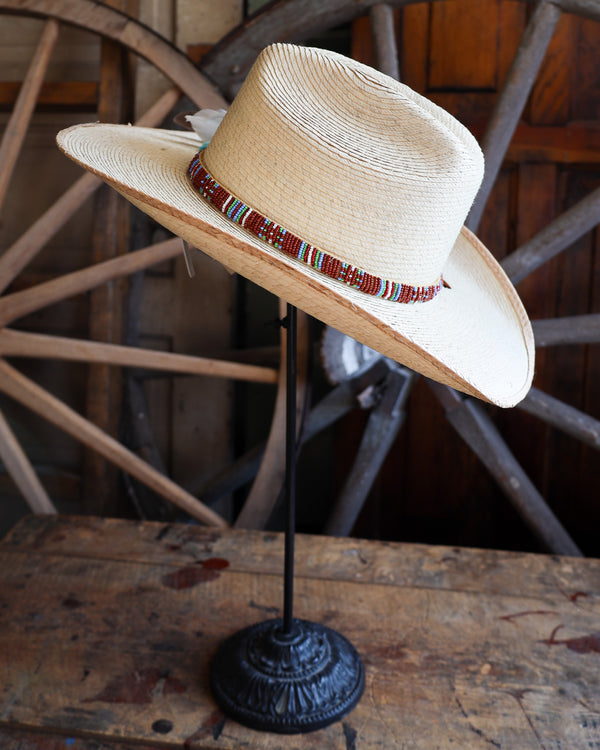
(350, 160)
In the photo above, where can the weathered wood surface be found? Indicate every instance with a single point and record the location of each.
(107, 628)
(27, 740)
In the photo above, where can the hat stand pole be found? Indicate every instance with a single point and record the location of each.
(287, 675)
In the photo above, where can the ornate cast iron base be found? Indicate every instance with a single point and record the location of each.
(282, 683)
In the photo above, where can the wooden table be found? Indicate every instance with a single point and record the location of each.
(107, 628)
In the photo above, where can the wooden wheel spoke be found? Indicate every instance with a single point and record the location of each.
(477, 429)
(14, 133)
(16, 257)
(269, 480)
(577, 329)
(229, 61)
(385, 421)
(20, 469)
(21, 344)
(28, 393)
(334, 406)
(562, 416)
(14, 306)
(554, 237)
(384, 38)
(227, 65)
(511, 102)
(133, 36)
(155, 114)
(14, 260)
(584, 8)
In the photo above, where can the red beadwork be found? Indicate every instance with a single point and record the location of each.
(262, 227)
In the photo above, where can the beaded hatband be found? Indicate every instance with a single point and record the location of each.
(282, 239)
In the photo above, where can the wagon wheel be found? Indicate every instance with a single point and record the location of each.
(17, 302)
(227, 65)
(293, 20)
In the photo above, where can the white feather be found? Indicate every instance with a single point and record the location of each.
(205, 122)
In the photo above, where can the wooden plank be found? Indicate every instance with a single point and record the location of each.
(533, 206)
(574, 143)
(109, 239)
(477, 429)
(463, 45)
(22, 739)
(422, 465)
(511, 103)
(362, 41)
(496, 228)
(443, 567)
(535, 209)
(585, 103)
(104, 384)
(414, 50)
(71, 94)
(502, 647)
(200, 320)
(550, 101)
(512, 20)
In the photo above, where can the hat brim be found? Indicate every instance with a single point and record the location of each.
(474, 336)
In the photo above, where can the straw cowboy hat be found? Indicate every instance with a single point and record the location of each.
(343, 192)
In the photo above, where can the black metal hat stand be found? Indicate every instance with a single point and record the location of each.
(287, 675)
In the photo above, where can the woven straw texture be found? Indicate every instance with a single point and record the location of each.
(365, 169)
(385, 175)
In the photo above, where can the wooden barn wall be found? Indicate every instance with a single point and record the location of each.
(432, 488)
